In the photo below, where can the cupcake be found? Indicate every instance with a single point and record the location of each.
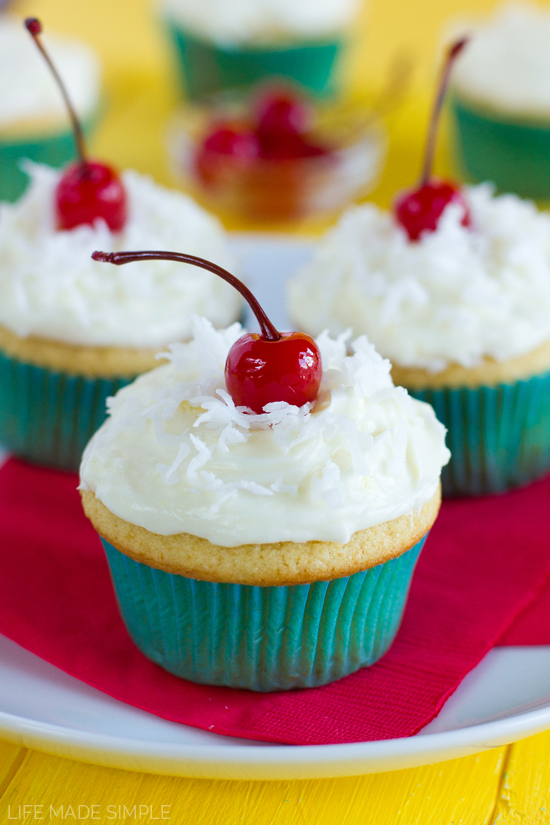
(453, 285)
(73, 331)
(264, 550)
(33, 120)
(463, 313)
(220, 45)
(501, 102)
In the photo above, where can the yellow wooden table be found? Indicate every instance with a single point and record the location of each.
(504, 785)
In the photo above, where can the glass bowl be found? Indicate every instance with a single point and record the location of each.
(264, 190)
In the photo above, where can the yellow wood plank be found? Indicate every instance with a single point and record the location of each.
(11, 757)
(525, 789)
(460, 791)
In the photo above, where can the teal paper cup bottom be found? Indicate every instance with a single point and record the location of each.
(514, 155)
(205, 67)
(48, 417)
(499, 436)
(262, 638)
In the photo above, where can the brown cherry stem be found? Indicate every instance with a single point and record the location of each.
(118, 258)
(34, 27)
(452, 54)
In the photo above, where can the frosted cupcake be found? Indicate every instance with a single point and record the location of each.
(453, 286)
(266, 549)
(501, 101)
(222, 45)
(33, 120)
(72, 331)
(69, 334)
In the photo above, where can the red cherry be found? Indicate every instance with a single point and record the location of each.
(227, 140)
(87, 190)
(232, 139)
(291, 147)
(419, 211)
(280, 113)
(260, 369)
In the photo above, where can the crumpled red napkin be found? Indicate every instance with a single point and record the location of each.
(485, 562)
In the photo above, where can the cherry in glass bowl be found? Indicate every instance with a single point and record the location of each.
(220, 154)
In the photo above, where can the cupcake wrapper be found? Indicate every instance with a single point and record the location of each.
(499, 437)
(512, 155)
(262, 638)
(206, 68)
(48, 417)
(54, 150)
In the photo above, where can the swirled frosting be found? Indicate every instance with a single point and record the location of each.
(176, 456)
(27, 89)
(507, 62)
(456, 296)
(51, 288)
(262, 21)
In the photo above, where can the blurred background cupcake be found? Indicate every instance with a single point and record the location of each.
(463, 313)
(72, 331)
(501, 101)
(221, 45)
(453, 286)
(33, 119)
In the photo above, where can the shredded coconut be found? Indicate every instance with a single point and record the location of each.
(51, 288)
(457, 295)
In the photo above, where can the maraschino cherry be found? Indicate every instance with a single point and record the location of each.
(88, 189)
(278, 127)
(420, 209)
(260, 368)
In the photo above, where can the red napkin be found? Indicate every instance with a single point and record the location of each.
(484, 563)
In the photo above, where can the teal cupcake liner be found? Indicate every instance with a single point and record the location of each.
(262, 638)
(55, 149)
(48, 417)
(515, 156)
(499, 436)
(206, 68)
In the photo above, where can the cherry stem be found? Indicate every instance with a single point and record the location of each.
(452, 54)
(34, 27)
(119, 258)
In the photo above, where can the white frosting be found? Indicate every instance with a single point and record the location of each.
(457, 295)
(176, 456)
(27, 88)
(262, 21)
(506, 65)
(51, 288)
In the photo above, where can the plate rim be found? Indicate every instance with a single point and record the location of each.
(270, 761)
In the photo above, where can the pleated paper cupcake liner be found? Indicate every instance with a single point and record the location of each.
(55, 149)
(206, 68)
(48, 417)
(499, 437)
(512, 155)
(262, 638)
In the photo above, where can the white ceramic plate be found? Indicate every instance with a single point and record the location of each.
(505, 698)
